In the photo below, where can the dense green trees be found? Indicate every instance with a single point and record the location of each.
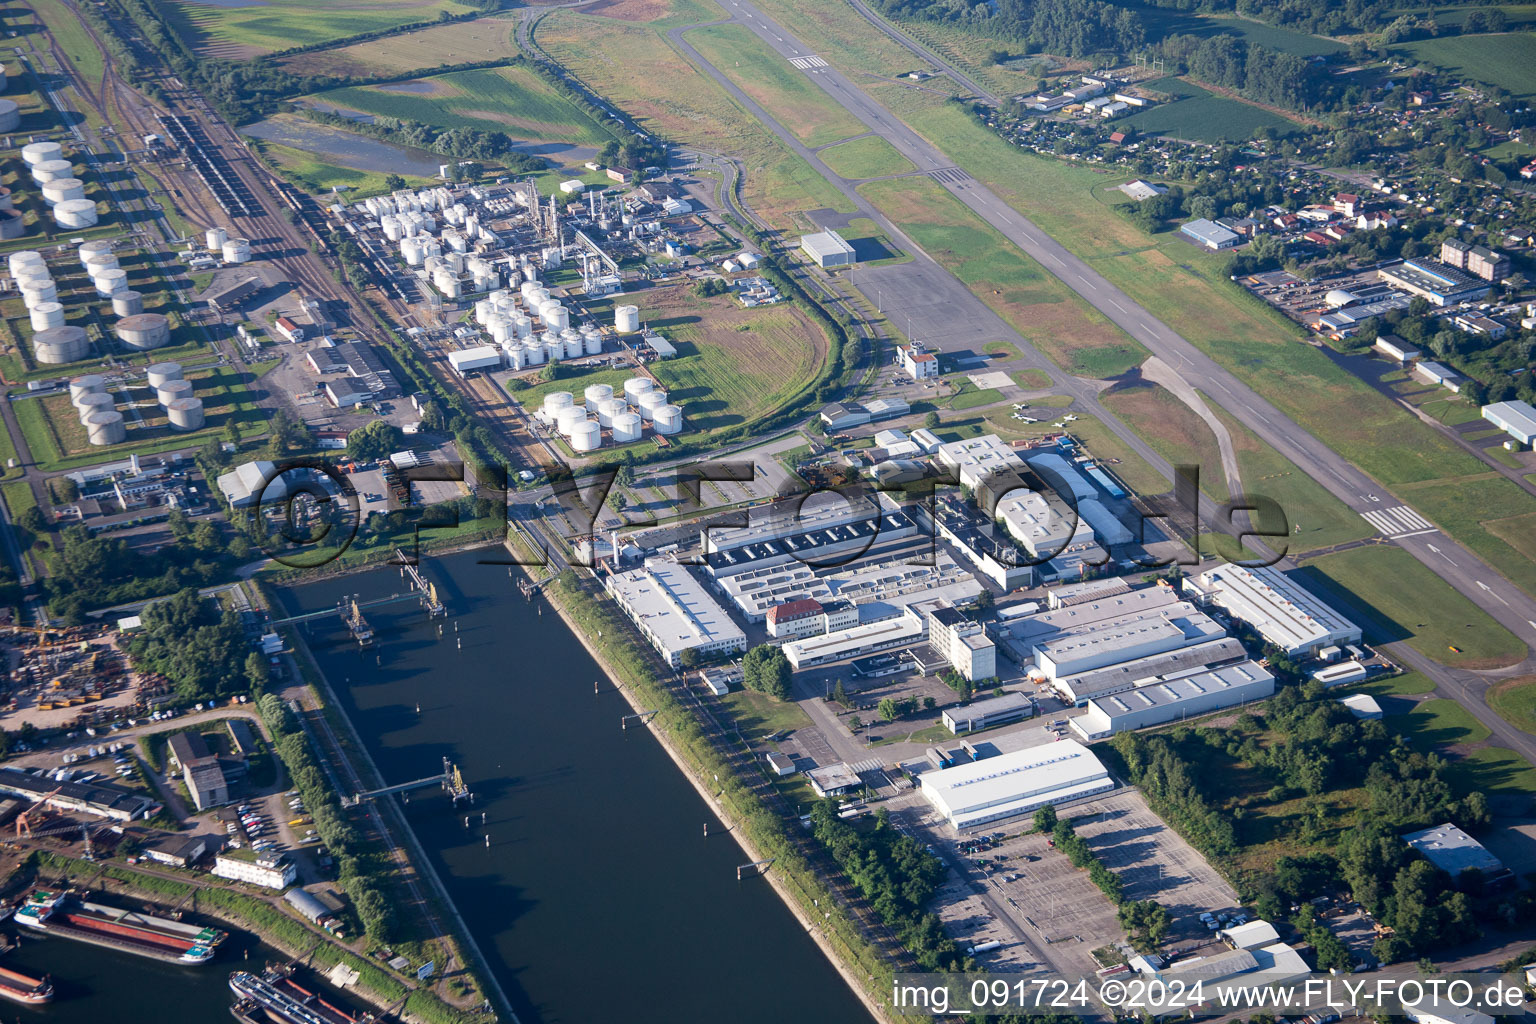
(187, 640)
(92, 572)
(766, 670)
(1146, 922)
(376, 439)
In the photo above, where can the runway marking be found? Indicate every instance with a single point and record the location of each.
(950, 175)
(1398, 521)
(806, 63)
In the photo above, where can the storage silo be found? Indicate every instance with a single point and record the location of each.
(555, 316)
(635, 387)
(7, 200)
(37, 290)
(556, 402)
(483, 310)
(40, 152)
(111, 282)
(160, 373)
(30, 272)
(60, 189)
(596, 395)
(413, 250)
(626, 319)
(60, 345)
(570, 340)
(568, 418)
(554, 348)
(104, 428)
(10, 116)
(533, 352)
(45, 171)
(586, 436)
(97, 262)
(143, 330)
(47, 314)
(89, 405)
(26, 258)
(668, 420)
(610, 409)
(236, 250)
(94, 247)
(500, 328)
(516, 355)
(186, 414)
(626, 428)
(592, 341)
(75, 213)
(13, 224)
(129, 303)
(171, 390)
(650, 402)
(215, 239)
(87, 384)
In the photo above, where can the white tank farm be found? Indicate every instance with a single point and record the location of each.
(522, 326)
(236, 250)
(499, 327)
(554, 348)
(143, 330)
(60, 189)
(31, 272)
(47, 314)
(10, 116)
(111, 282)
(626, 319)
(45, 171)
(483, 310)
(596, 395)
(75, 213)
(592, 341)
(650, 402)
(60, 345)
(172, 390)
(16, 260)
(39, 152)
(94, 247)
(586, 436)
(626, 428)
(13, 223)
(668, 420)
(635, 387)
(557, 401)
(160, 373)
(186, 414)
(215, 239)
(571, 340)
(104, 428)
(127, 303)
(36, 291)
(569, 417)
(87, 384)
(89, 405)
(609, 409)
(516, 355)
(533, 352)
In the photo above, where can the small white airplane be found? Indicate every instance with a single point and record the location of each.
(1021, 405)
(1058, 425)
(1069, 419)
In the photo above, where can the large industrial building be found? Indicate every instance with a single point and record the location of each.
(1441, 284)
(989, 713)
(1453, 851)
(1283, 612)
(1174, 700)
(674, 611)
(1517, 419)
(1082, 687)
(1014, 784)
(103, 799)
(828, 249)
(1096, 634)
(959, 640)
(865, 638)
(200, 770)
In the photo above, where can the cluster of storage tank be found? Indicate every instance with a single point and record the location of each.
(98, 413)
(61, 190)
(510, 318)
(53, 341)
(230, 250)
(623, 414)
(182, 408)
(450, 270)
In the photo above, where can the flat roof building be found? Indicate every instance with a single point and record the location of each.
(103, 799)
(271, 871)
(834, 780)
(1174, 700)
(1517, 419)
(1453, 851)
(1073, 640)
(1283, 612)
(1251, 935)
(857, 641)
(1101, 682)
(674, 611)
(1014, 784)
(985, 714)
(1209, 234)
(1441, 284)
(828, 249)
(960, 641)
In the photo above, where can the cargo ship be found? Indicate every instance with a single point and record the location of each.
(20, 988)
(158, 937)
(275, 998)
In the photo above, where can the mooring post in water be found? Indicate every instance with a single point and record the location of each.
(706, 830)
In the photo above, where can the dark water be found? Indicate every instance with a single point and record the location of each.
(599, 899)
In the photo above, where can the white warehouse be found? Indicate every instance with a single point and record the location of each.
(674, 611)
(1282, 611)
(1010, 785)
(1517, 419)
(466, 360)
(1174, 700)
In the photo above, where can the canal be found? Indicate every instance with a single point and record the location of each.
(598, 897)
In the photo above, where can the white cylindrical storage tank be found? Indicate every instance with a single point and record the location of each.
(60, 345)
(554, 348)
(413, 250)
(391, 225)
(171, 390)
(650, 402)
(570, 341)
(87, 384)
(127, 304)
(111, 282)
(31, 272)
(7, 201)
(592, 341)
(516, 355)
(668, 419)
(47, 314)
(596, 395)
(527, 290)
(13, 223)
(500, 328)
(60, 189)
(635, 387)
(556, 316)
(626, 428)
(94, 247)
(97, 262)
(75, 213)
(10, 116)
(610, 409)
(186, 414)
(586, 436)
(105, 428)
(626, 319)
(556, 402)
(35, 291)
(40, 152)
(533, 352)
(45, 171)
(483, 310)
(215, 239)
(89, 405)
(522, 326)
(143, 330)
(16, 260)
(569, 417)
(162, 373)
(236, 250)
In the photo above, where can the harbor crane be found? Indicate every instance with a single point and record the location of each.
(450, 779)
(24, 819)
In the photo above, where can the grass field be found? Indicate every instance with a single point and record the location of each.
(1515, 701)
(1394, 597)
(511, 99)
(236, 32)
(71, 37)
(1494, 770)
(1507, 60)
(1032, 378)
(786, 92)
(1409, 684)
(1162, 22)
(1438, 723)
(456, 43)
(1173, 430)
(1052, 318)
(869, 157)
(759, 715)
(844, 39)
(1490, 513)
(1193, 112)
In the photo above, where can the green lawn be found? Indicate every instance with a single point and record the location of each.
(1192, 112)
(1439, 723)
(1395, 597)
(1033, 378)
(1494, 770)
(968, 396)
(869, 157)
(1515, 701)
(1162, 22)
(1507, 60)
(18, 497)
(758, 715)
(1408, 684)
(231, 30)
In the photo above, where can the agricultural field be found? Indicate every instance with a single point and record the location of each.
(1506, 60)
(457, 43)
(240, 31)
(1052, 318)
(511, 99)
(631, 63)
(869, 157)
(1193, 112)
(1163, 22)
(787, 93)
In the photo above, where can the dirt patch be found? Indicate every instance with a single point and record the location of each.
(629, 10)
